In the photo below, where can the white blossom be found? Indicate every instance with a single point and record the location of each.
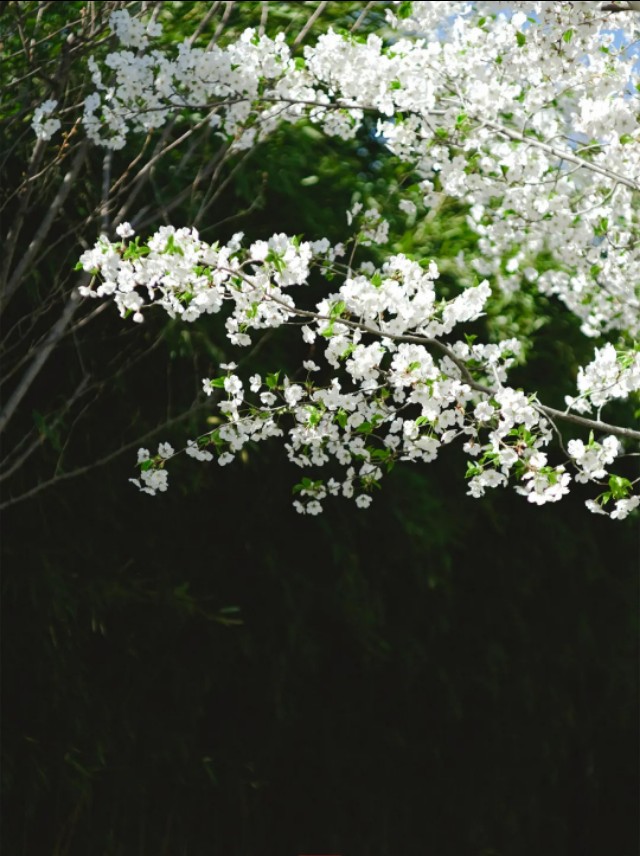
(524, 119)
(43, 127)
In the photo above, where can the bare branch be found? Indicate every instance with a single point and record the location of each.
(229, 4)
(211, 12)
(106, 181)
(361, 17)
(55, 334)
(79, 471)
(18, 461)
(312, 19)
(26, 190)
(43, 230)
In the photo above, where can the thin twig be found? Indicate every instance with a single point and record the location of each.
(106, 181)
(264, 15)
(223, 23)
(213, 9)
(17, 220)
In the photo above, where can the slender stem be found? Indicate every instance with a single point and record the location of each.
(211, 12)
(106, 181)
(361, 17)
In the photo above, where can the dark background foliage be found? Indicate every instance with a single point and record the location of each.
(212, 673)
(207, 672)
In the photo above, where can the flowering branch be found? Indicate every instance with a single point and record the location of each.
(522, 118)
(389, 400)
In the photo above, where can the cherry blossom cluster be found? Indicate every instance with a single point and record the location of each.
(43, 127)
(389, 380)
(527, 114)
(612, 374)
(245, 89)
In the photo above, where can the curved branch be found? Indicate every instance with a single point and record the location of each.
(551, 412)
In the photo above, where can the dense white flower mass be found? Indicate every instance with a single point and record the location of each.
(525, 113)
(395, 389)
(610, 375)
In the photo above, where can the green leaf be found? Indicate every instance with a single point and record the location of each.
(337, 309)
(348, 351)
(472, 470)
(171, 248)
(276, 260)
(314, 416)
(567, 36)
(521, 39)
(620, 487)
(328, 331)
(600, 229)
(272, 380)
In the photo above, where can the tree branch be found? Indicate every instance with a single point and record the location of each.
(560, 154)
(43, 230)
(104, 460)
(591, 424)
(55, 334)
